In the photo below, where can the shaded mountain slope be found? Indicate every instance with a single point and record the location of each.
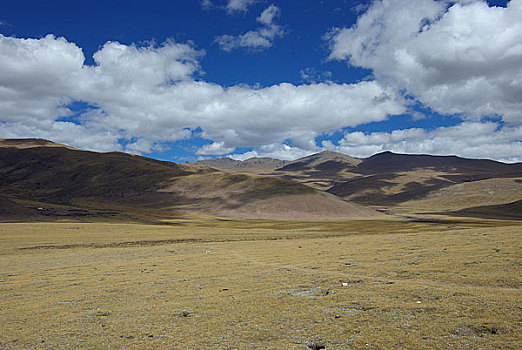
(252, 165)
(460, 196)
(389, 179)
(510, 211)
(119, 182)
(10, 210)
(324, 161)
(320, 171)
(250, 196)
(404, 181)
(59, 175)
(388, 162)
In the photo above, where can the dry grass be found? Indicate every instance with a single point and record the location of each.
(467, 194)
(261, 284)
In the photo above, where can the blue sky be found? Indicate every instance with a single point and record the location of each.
(185, 80)
(91, 24)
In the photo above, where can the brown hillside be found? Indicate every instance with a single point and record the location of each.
(314, 205)
(248, 196)
(12, 211)
(325, 161)
(456, 197)
(253, 165)
(400, 181)
(135, 185)
(511, 211)
(30, 143)
(389, 179)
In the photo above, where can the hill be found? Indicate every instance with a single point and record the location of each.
(389, 179)
(404, 182)
(67, 181)
(30, 143)
(489, 192)
(325, 161)
(510, 211)
(252, 165)
(321, 170)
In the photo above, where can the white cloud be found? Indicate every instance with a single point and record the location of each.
(310, 75)
(206, 4)
(79, 136)
(230, 6)
(469, 139)
(259, 39)
(459, 57)
(277, 151)
(142, 145)
(267, 16)
(33, 75)
(215, 148)
(149, 95)
(252, 40)
(239, 5)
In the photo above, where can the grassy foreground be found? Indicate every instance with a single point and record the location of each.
(361, 284)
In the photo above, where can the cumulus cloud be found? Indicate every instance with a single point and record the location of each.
(215, 148)
(141, 97)
(488, 140)
(239, 5)
(468, 139)
(460, 57)
(148, 95)
(79, 136)
(33, 75)
(259, 39)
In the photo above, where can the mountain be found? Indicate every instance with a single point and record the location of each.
(388, 162)
(70, 183)
(252, 165)
(12, 211)
(455, 197)
(405, 182)
(321, 170)
(324, 161)
(389, 179)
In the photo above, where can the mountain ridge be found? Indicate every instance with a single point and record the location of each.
(91, 182)
(391, 179)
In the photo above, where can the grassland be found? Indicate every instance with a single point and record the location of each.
(380, 283)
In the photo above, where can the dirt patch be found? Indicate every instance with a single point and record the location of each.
(465, 330)
(146, 243)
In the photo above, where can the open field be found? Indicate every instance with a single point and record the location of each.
(380, 283)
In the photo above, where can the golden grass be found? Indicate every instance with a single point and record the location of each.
(227, 284)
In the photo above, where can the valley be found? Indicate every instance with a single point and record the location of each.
(111, 250)
(261, 284)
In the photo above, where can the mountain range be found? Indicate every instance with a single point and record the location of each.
(43, 180)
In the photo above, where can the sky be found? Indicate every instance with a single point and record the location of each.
(195, 79)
